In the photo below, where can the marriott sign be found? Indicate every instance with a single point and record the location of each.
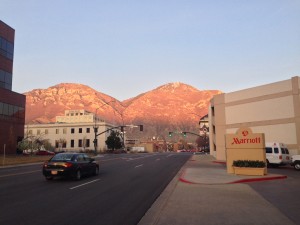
(244, 138)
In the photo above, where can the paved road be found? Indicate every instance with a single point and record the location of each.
(284, 193)
(125, 189)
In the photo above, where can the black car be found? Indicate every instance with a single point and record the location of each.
(73, 165)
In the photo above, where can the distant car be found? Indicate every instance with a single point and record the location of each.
(277, 154)
(44, 152)
(296, 162)
(74, 165)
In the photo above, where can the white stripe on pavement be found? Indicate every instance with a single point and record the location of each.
(84, 184)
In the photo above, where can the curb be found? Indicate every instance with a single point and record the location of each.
(247, 180)
(258, 179)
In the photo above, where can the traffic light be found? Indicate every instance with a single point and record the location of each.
(184, 134)
(170, 134)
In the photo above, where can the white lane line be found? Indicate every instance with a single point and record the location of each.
(157, 159)
(169, 155)
(84, 184)
(139, 165)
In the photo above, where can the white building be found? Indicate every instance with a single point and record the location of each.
(272, 109)
(72, 132)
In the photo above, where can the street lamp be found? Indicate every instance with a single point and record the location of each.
(96, 127)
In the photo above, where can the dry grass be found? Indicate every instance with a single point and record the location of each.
(15, 160)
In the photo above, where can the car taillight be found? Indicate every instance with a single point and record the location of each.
(280, 157)
(67, 164)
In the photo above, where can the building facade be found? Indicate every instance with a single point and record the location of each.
(12, 104)
(272, 109)
(72, 132)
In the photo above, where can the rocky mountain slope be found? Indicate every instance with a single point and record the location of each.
(174, 106)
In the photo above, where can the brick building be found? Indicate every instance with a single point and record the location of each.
(12, 104)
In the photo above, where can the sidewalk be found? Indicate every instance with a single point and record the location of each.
(204, 193)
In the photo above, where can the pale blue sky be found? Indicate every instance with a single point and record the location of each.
(125, 48)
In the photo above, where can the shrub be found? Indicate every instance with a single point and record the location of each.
(249, 163)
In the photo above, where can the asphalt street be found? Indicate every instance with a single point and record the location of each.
(127, 186)
(282, 193)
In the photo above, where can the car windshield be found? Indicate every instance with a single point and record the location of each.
(62, 157)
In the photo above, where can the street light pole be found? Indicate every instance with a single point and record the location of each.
(95, 131)
(96, 127)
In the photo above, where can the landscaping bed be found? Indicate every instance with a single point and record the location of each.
(21, 159)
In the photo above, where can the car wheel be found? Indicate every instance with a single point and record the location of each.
(96, 172)
(297, 165)
(78, 175)
(49, 178)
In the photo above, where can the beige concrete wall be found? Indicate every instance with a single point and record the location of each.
(217, 127)
(271, 109)
(268, 89)
(277, 133)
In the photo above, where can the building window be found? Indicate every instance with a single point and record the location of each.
(46, 131)
(72, 143)
(87, 143)
(57, 131)
(80, 130)
(64, 130)
(30, 132)
(213, 111)
(72, 130)
(60, 144)
(6, 48)
(80, 143)
(38, 132)
(88, 130)
(56, 144)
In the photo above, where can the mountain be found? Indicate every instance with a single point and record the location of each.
(174, 106)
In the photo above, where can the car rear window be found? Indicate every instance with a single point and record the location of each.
(276, 150)
(62, 157)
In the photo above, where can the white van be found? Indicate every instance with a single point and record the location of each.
(277, 154)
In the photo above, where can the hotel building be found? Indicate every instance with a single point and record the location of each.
(272, 109)
(12, 104)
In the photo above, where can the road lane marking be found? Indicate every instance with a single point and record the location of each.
(84, 184)
(139, 166)
(16, 174)
(157, 159)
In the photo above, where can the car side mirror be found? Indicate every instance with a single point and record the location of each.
(92, 160)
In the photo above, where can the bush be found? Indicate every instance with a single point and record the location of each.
(249, 163)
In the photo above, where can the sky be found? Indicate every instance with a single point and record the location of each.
(127, 47)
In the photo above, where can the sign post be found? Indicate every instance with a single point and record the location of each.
(3, 156)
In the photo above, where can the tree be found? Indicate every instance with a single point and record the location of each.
(31, 143)
(203, 143)
(113, 140)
